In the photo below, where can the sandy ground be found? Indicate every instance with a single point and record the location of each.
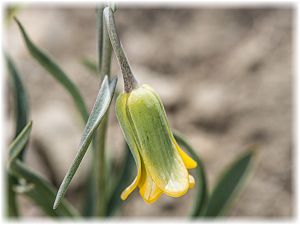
(224, 75)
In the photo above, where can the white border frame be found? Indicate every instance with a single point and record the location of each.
(206, 3)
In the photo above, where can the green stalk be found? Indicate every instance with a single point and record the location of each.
(12, 208)
(100, 173)
(99, 12)
(90, 206)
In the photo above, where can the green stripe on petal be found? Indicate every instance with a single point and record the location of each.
(188, 161)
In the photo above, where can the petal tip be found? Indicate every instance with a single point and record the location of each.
(124, 196)
(191, 181)
(150, 199)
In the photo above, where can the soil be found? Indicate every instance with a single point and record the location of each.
(225, 75)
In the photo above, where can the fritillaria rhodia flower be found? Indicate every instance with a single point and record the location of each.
(162, 166)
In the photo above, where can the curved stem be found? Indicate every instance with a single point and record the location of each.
(129, 80)
(100, 169)
(99, 13)
(106, 54)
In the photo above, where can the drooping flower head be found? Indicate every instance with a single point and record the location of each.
(162, 166)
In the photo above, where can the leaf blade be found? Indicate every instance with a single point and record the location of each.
(20, 96)
(229, 185)
(21, 115)
(19, 143)
(100, 107)
(47, 63)
(42, 193)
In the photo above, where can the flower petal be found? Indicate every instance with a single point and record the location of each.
(188, 161)
(130, 188)
(149, 191)
(158, 152)
(121, 113)
(191, 181)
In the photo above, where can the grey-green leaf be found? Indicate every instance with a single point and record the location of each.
(21, 114)
(56, 72)
(19, 143)
(100, 107)
(42, 192)
(20, 98)
(202, 189)
(12, 209)
(229, 185)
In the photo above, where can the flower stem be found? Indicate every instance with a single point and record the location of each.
(129, 80)
(99, 13)
(12, 207)
(100, 174)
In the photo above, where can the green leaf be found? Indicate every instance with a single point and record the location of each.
(115, 201)
(55, 71)
(21, 106)
(15, 149)
(41, 192)
(90, 65)
(201, 183)
(229, 185)
(12, 207)
(21, 114)
(19, 143)
(100, 107)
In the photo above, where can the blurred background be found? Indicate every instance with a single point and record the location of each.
(223, 73)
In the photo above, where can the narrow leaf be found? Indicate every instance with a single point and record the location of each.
(55, 71)
(100, 107)
(12, 209)
(201, 182)
(41, 191)
(21, 114)
(90, 65)
(21, 106)
(19, 143)
(229, 185)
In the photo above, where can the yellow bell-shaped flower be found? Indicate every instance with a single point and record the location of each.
(162, 166)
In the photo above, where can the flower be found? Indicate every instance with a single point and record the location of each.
(162, 166)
